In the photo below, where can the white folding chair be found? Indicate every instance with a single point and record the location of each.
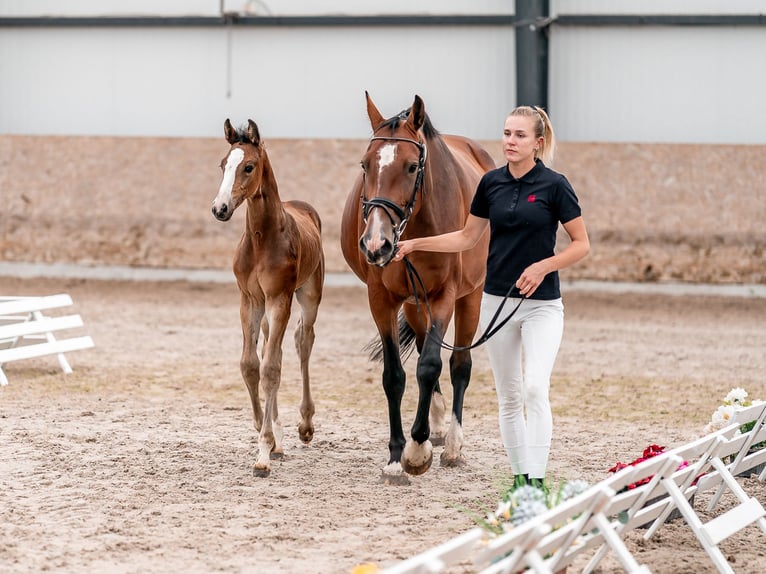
(634, 506)
(551, 541)
(508, 552)
(26, 333)
(439, 558)
(711, 533)
(739, 447)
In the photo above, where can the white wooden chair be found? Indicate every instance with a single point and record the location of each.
(550, 542)
(26, 333)
(439, 558)
(649, 503)
(738, 448)
(681, 485)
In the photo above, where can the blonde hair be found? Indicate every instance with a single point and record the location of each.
(543, 129)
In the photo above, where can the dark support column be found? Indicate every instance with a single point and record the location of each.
(532, 53)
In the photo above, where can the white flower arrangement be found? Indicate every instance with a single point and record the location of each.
(735, 400)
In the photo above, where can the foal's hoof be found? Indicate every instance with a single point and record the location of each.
(276, 455)
(417, 458)
(261, 471)
(306, 433)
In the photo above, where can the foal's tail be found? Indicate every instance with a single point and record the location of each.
(406, 342)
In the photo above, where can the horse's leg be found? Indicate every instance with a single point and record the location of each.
(308, 298)
(384, 314)
(250, 314)
(418, 453)
(270, 437)
(466, 322)
(436, 416)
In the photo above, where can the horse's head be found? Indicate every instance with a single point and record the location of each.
(393, 168)
(242, 169)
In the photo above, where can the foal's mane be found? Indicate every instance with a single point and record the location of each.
(242, 136)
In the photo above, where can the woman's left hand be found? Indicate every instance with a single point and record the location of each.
(531, 278)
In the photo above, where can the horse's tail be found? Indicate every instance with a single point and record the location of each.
(406, 342)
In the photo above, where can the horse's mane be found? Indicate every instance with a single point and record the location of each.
(428, 128)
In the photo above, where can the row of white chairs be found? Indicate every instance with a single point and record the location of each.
(26, 333)
(596, 520)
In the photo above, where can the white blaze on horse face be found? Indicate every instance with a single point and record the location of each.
(375, 232)
(386, 156)
(227, 184)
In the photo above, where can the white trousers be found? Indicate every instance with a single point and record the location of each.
(534, 333)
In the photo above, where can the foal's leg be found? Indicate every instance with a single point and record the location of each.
(270, 437)
(250, 314)
(308, 298)
(466, 322)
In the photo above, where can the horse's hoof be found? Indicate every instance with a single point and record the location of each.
(276, 455)
(400, 479)
(417, 458)
(305, 433)
(452, 462)
(261, 472)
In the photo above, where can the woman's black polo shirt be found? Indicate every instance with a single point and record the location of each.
(523, 216)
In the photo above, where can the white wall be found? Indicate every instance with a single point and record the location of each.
(626, 84)
(658, 84)
(295, 82)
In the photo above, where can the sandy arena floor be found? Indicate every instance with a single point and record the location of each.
(140, 460)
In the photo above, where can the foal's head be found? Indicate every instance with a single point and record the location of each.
(242, 169)
(394, 169)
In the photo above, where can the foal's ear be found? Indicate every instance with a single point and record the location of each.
(372, 112)
(252, 133)
(417, 114)
(229, 132)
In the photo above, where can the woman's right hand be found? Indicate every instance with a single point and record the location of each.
(403, 248)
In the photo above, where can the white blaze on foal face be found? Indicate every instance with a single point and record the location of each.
(227, 184)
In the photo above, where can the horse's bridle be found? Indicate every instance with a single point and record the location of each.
(389, 206)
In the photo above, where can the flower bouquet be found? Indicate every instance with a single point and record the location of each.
(650, 451)
(522, 502)
(736, 399)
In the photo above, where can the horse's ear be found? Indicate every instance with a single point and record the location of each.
(417, 114)
(252, 133)
(230, 132)
(372, 112)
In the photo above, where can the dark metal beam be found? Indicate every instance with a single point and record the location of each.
(532, 53)
(234, 19)
(661, 20)
(385, 21)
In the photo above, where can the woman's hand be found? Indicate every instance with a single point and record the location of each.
(403, 248)
(532, 277)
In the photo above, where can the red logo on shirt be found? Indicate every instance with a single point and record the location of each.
(531, 199)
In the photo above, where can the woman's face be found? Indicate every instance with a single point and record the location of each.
(519, 141)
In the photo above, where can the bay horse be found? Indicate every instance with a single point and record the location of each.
(416, 182)
(279, 256)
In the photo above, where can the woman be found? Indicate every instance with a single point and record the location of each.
(522, 202)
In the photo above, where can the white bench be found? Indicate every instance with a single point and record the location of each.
(26, 333)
